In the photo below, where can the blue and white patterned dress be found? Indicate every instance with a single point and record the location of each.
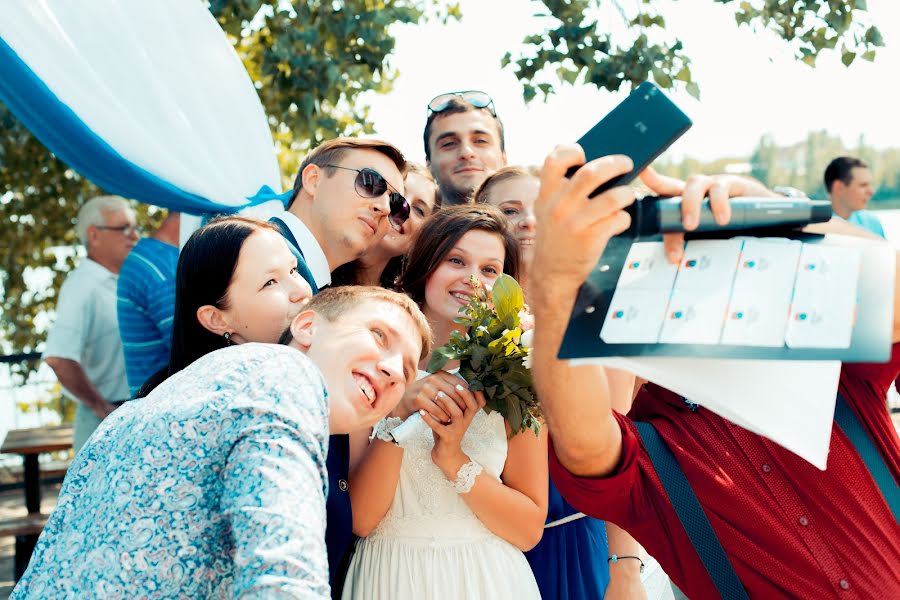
(211, 487)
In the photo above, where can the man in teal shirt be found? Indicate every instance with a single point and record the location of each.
(849, 184)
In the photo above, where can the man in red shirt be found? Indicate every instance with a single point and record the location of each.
(788, 529)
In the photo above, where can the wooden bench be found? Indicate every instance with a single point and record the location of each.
(26, 530)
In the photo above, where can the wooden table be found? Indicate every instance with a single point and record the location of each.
(30, 443)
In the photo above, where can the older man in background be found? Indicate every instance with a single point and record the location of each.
(83, 347)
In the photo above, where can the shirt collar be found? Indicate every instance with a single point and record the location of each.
(95, 269)
(309, 246)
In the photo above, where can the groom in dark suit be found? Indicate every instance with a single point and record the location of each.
(347, 194)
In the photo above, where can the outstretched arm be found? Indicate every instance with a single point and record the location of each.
(572, 232)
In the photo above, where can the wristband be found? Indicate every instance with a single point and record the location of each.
(616, 558)
(465, 477)
(384, 430)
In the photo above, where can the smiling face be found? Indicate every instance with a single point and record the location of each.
(265, 292)
(464, 150)
(368, 356)
(421, 193)
(515, 198)
(479, 253)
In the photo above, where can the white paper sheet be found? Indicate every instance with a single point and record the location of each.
(788, 402)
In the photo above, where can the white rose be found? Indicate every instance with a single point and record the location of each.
(527, 338)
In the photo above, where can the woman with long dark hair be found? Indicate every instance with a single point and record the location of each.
(236, 282)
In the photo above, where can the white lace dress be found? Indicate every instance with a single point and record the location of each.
(430, 545)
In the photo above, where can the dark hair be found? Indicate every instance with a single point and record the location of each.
(441, 232)
(841, 169)
(350, 273)
(205, 269)
(454, 106)
(333, 151)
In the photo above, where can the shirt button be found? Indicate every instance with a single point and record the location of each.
(845, 585)
(804, 521)
(342, 485)
(766, 469)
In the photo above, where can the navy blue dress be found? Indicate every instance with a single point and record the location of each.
(570, 560)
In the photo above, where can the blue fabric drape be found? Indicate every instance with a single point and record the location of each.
(68, 137)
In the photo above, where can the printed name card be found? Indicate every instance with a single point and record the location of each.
(737, 292)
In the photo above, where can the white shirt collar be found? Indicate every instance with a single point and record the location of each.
(95, 269)
(312, 251)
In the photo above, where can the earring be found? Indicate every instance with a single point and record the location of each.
(227, 337)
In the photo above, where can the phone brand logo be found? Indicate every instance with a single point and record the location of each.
(640, 127)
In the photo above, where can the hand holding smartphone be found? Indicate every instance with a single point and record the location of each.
(641, 127)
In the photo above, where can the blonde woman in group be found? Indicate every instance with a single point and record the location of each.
(448, 513)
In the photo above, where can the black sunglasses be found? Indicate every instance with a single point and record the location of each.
(370, 183)
(474, 97)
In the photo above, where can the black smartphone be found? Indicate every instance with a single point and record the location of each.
(641, 127)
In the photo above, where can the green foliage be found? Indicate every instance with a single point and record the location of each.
(577, 49)
(491, 356)
(311, 60)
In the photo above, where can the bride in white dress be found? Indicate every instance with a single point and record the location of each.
(447, 514)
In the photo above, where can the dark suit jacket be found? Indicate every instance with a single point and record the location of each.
(339, 526)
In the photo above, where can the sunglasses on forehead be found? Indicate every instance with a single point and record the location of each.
(369, 183)
(474, 97)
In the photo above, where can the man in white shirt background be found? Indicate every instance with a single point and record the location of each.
(83, 346)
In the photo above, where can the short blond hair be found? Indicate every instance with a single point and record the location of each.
(335, 302)
(91, 213)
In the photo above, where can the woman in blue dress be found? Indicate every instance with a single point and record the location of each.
(571, 559)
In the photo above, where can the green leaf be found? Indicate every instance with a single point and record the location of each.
(508, 300)
(847, 57)
(693, 89)
(662, 78)
(437, 361)
(873, 36)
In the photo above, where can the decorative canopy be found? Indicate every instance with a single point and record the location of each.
(146, 99)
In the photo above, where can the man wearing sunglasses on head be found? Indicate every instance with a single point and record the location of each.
(347, 194)
(464, 143)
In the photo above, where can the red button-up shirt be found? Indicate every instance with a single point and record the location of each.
(789, 529)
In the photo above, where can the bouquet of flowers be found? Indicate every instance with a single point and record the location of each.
(494, 352)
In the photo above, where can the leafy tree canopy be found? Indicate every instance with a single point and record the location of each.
(576, 48)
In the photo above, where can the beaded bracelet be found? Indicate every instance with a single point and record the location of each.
(616, 558)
